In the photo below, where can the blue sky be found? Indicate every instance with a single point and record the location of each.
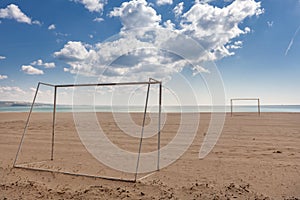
(254, 44)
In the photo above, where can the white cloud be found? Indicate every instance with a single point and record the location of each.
(12, 11)
(136, 14)
(178, 9)
(3, 77)
(12, 93)
(163, 2)
(247, 30)
(28, 69)
(51, 27)
(72, 51)
(37, 22)
(41, 63)
(98, 19)
(169, 25)
(235, 45)
(66, 69)
(204, 1)
(292, 41)
(93, 5)
(2, 57)
(61, 34)
(215, 27)
(130, 57)
(5, 89)
(144, 49)
(270, 23)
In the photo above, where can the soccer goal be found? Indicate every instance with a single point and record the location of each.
(244, 99)
(49, 153)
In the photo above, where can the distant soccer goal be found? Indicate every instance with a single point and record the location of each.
(44, 157)
(244, 99)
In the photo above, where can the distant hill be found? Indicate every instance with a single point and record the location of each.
(19, 104)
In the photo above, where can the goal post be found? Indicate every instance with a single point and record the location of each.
(150, 82)
(244, 99)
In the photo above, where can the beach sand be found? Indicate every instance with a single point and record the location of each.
(256, 157)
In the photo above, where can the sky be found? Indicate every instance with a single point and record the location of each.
(250, 48)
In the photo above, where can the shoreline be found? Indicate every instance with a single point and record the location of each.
(168, 109)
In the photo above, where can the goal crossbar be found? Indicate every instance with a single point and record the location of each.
(244, 99)
(148, 83)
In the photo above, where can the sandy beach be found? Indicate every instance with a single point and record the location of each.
(256, 157)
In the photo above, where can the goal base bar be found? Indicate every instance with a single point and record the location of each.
(81, 175)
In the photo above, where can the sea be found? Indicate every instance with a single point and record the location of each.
(168, 109)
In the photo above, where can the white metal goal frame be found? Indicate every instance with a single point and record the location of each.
(150, 82)
(245, 99)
